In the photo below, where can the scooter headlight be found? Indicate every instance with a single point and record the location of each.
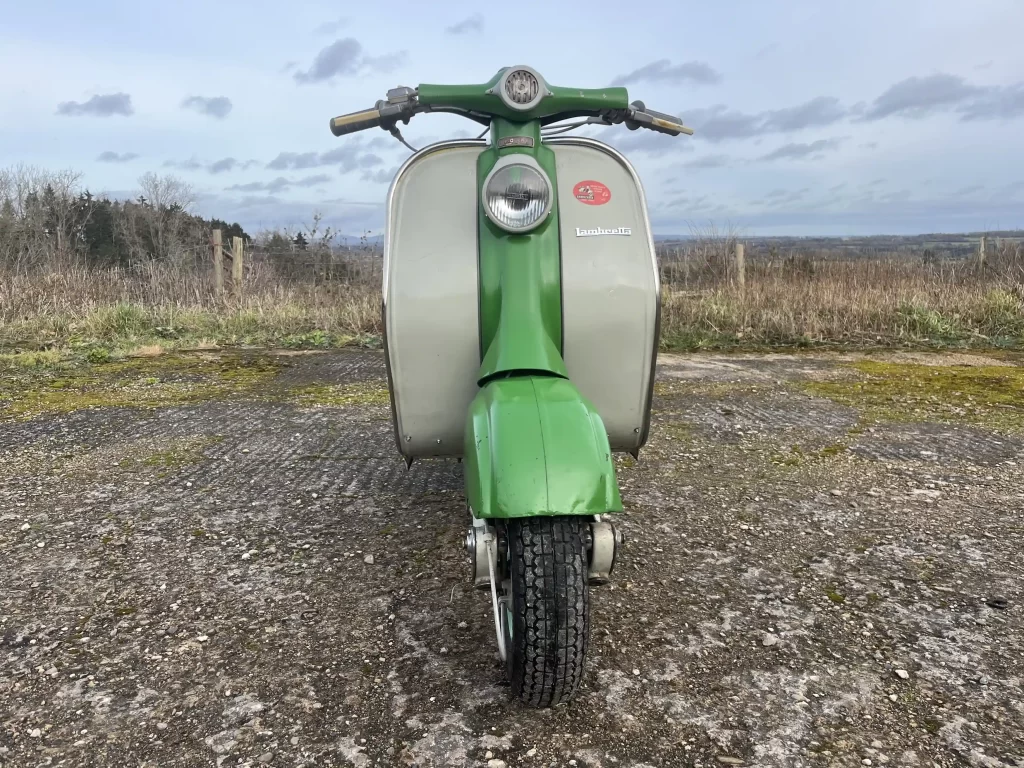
(517, 194)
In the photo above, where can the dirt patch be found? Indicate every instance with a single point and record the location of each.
(242, 579)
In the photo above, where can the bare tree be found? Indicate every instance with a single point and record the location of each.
(157, 226)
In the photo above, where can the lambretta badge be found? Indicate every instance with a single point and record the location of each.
(580, 232)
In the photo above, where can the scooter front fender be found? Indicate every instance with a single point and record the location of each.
(535, 446)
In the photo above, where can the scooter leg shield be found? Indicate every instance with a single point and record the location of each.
(534, 446)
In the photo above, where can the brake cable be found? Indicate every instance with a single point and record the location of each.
(394, 131)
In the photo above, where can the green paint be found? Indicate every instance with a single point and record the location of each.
(535, 446)
(520, 277)
(563, 102)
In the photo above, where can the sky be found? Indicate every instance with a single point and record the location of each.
(811, 118)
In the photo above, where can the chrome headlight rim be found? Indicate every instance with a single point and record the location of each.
(528, 162)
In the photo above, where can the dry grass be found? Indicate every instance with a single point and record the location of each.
(861, 302)
(168, 306)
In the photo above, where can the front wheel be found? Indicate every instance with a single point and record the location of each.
(547, 619)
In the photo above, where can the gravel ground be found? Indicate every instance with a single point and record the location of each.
(256, 581)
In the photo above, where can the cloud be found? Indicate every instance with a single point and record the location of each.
(192, 164)
(280, 184)
(351, 156)
(217, 166)
(105, 105)
(223, 166)
(277, 185)
(346, 57)
(213, 106)
(664, 71)
(995, 104)
(114, 157)
(474, 23)
(330, 27)
(800, 151)
(820, 111)
(708, 161)
(970, 190)
(920, 96)
(719, 123)
(379, 176)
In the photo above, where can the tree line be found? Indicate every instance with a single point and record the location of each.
(48, 218)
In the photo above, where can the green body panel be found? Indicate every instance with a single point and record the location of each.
(535, 446)
(563, 102)
(520, 286)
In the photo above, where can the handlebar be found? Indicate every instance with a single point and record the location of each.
(641, 117)
(402, 104)
(355, 121)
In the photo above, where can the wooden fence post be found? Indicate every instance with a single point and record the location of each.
(981, 251)
(741, 268)
(237, 256)
(218, 261)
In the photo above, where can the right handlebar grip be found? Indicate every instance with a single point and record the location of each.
(355, 121)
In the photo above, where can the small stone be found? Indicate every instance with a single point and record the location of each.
(893, 697)
(26, 527)
(876, 744)
(294, 740)
(488, 755)
(902, 674)
(866, 761)
(246, 556)
(368, 559)
(531, 752)
(202, 638)
(161, 726)
(463, 625)
(41, 544)
(266, 757)
(502, 764)
(836, 492)
(727, 760)
(768, 640)
(35, 733)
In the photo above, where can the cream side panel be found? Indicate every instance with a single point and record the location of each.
(609, 292)
(431, 299)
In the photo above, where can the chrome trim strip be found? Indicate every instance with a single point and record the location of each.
(581, 141)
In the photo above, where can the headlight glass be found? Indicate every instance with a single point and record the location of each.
(518, 197)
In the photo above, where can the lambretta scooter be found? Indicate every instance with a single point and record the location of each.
(521, 306)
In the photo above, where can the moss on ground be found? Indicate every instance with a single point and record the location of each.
(990, 396)
(173, 454)
(359, 393)
(140, 383)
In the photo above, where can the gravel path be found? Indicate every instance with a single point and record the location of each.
(250, 581)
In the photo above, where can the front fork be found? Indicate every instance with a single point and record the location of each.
(486, 545)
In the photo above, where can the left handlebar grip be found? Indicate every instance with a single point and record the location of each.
(668, 123)
(355, 121)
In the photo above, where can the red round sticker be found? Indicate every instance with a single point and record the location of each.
(592, 193)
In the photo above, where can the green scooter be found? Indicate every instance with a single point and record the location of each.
(521, 305)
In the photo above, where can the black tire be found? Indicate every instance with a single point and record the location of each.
(550, 608)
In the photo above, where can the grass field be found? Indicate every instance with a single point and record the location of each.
(100, 314)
